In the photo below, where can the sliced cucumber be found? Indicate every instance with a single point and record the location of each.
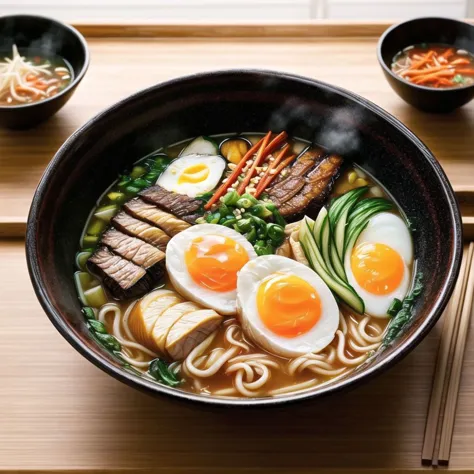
(105, 213)
(95, 297)
(201, 146)
(346, 293)
(81, 259)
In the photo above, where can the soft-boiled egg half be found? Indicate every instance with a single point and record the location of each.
(377, 266)
(285, 307)
(203, 262)
(193, 174)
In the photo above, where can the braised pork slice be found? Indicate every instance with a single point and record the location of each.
(317, 188)
(189, 331)
(137, 251)
(122, 278)
(294, 181)
(142, 230)
(155, 216)
(178, 204)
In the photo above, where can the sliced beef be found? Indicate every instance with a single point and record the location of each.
(179, 205)
(155, 216)
(142, 230)
(294, 181)
(316, 190)
(122, 278)
(137, 251)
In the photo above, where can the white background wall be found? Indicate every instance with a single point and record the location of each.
(237, 10)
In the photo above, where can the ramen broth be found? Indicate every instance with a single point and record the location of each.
(247, 364)
(435, 65)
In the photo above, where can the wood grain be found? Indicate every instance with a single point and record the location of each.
(58, 412)
(120, 67)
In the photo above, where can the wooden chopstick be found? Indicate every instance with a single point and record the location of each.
(456, 368)
(445, 351)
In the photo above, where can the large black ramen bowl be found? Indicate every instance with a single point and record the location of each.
(40, 36)
(232, 101)
(426, 30)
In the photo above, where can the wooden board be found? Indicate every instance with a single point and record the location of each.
(59, 412)
(121, 66)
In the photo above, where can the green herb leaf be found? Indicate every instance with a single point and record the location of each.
(108, 341)
(395, 307)
(97, 326)
(405, 314)
(161, 372)
(458, 79)
(88, 313)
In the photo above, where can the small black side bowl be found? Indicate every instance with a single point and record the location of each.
(42, 36)
(226, 102)
(426, 30)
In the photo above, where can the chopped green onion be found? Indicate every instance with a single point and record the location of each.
(161, 372)
(260, 210)
(96, 226)
(137, 172)
(213, 218)
(395, 307)
(231, 198)
(90, 240)
(244, 225)
(251, 235)
(458, 79)
(276, 233)
(116, 197)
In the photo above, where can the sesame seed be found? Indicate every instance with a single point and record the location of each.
(238, 217)
(221, 199)
(242, 209)
(273, 171)
(232, 166)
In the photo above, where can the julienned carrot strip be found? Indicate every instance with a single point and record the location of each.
(432, 77)
(447, 54)
(422, 72)
(277, 170)
(423, 61)
(273, 145)
(460, 62)
(444, 82)
(233, 176)
(257, 159)
(272, 165)
(465, 71)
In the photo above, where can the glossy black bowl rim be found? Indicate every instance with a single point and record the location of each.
(152, 387)
(76, 79)
(398, 78)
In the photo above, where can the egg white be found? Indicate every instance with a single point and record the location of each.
(170, 177)
(222, 302)
(248, 282)
(391, 230)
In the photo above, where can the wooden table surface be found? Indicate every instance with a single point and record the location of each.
(60, 413)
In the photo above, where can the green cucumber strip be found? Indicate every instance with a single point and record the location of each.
(81, 259)
(344, 292)
(318, 225)
(201, 146)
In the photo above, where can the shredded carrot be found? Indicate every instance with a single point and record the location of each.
(234, 175)
(465, 71)
(272, 165)
(415, 73)
(447, 54)
(273, 145)
(460, 62)
(444, 82)
(423, 61)
(245, 182)
(277, 170)
(432, 77)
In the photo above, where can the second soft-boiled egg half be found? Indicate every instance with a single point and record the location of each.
(203, 262)
(377, 266)
(193, 174)
(285, 307)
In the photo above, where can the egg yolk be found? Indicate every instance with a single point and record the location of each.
(214, 260)
(377, 268)
(287, 305)
(194, 174)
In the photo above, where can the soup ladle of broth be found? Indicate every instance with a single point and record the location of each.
(435, 65)
(25, 80)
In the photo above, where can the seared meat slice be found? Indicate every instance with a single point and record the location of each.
(294, 181)
(149, 233)
(189, 331)
(150, 213)
(137, 251)
(122, 278)
(178, 204)
(318, 186)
